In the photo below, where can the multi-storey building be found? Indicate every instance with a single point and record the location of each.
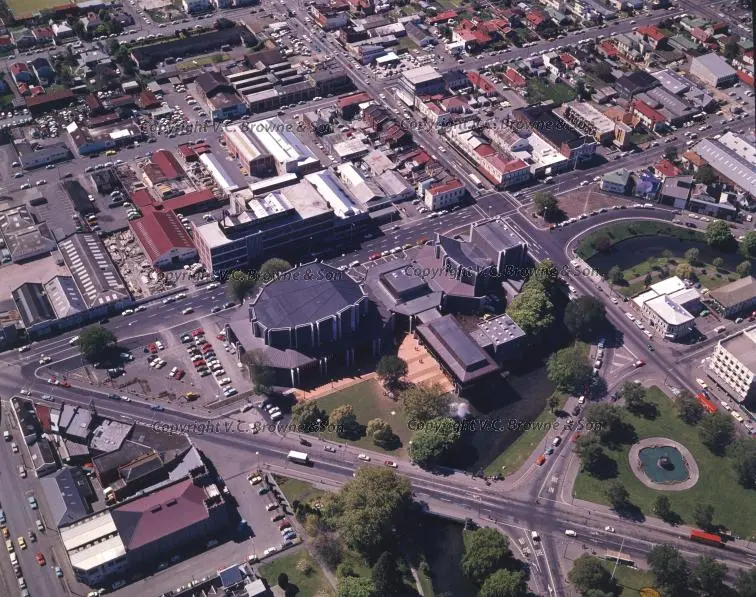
(733, 365)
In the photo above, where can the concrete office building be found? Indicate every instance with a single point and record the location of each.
(242, 145)
(667, 305)
(733, 365)
(425, 80)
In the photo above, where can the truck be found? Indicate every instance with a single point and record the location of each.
(477, 181)
(707, 404)
(299, 457)
(704, 537)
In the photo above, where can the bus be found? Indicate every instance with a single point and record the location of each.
(708, 538)
(478, 182)
(299, 457)
(620, 558)
(707, 404)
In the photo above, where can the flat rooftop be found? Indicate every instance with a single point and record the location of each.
(743, 347)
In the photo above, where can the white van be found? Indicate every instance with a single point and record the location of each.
(570, 533)
(534, 536)
(720, 329)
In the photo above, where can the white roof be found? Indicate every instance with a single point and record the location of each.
(93, 541)
(243, 143)
(641, 299)
(668, 286)
(333, 194)
(669, 311)
(278, 140)
(218, 172)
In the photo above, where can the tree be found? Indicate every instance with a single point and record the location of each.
(95, 342)
(587, 573)
(718, 262)
(718, 235)
(544, 277)
(353, 586)
(391, 369)
(553, 402)
(670, 568)
(224, 23)
(615, 275)
(744, 269)
(386, 576)
(662, 507)
(487, 550)
(369, 510)
(272, 269)
(307, 416)
(569, 371)
(602, 243)
(343, 419)
(703, 515)
(634, 396)
(381, 433)
(748, 245)
(671, 154)
(584, 317)
(746, 582)
(705, 175)
(617, 495)
(684, 271)
(606, 420)
(329, 547)
(546, 205)
(432, 442)
(744, 460)
(717, 432)
(692, 256)
(423, 402)
(504, 583)
(689, 410)
(532, 310)
(283, 580)
(239, 284)
(263, 376)
(591, 454)
(731, 48)
(709, 576)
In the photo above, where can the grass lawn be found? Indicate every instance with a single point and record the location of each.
(640, 138)
(734, 506)
(630, 580)
(368, 402)
(520, 450)
(405, 43)
(711, 277)
(309, 585)
(539, 91)
(623, 231)
(191, 63)
(298, 490)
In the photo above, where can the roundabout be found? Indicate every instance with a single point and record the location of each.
(663, 464)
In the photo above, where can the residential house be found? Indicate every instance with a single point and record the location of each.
(676, 191)
(21, 73)
(651, 34)
(62, 30)
(219, 96)
(444, 195)
(24, 39)
(91, 21)
(652, 119)
(666, 169)
(44, 35)
(618, 181)
(43, 70)
(195, 6)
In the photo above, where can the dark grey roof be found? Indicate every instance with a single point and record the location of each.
(305, 295)
(464, 254)
(636, 81)
(495, 236)
(32, 304)
(148, 56)
(553, 128)
(231, 576)
(459, 353)
(76, 493)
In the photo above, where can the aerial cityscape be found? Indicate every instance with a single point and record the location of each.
(377, 298)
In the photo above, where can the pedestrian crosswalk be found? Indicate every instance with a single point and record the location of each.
(621, 361)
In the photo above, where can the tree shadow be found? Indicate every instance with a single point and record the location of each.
(622, 434)
(291, 590)
(631, 512)
(647, 410)
(673, 518)
(606, 468)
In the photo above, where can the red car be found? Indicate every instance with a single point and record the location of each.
(284, 525)
(40, 558)
(206, 348)
(374, 256)
(199, 364)
(198, 332)
(179, 374)
(221, 336)
(152, 348)
(637, 364)
(65, 383)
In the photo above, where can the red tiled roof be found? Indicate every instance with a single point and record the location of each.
(53, 96)
(160, 514)
(535, 17)
(186, 150)
(159, 232)
(652, 32)
(470, 31)
(667, 168)
(746, 78)
(168, 164)
(147, 99)
(445, 187)
(480, 81)
(443, 16)
(355, 98)
(189, 199)
(19, 67)
(503, 165)
(142, 198)
(515, 77)
(694, 158)
(43, 415)
(484, 149)
(647, 111)
(609, 48)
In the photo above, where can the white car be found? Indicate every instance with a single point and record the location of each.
(363, 457)
(187, 311)
(127, 312)
(609, 529)
(213, 286)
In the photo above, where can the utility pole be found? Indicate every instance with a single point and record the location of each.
(616, 560)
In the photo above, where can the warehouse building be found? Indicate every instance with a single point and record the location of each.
(289, 153)
(713, 70)
(243, 146)
(163, 238)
